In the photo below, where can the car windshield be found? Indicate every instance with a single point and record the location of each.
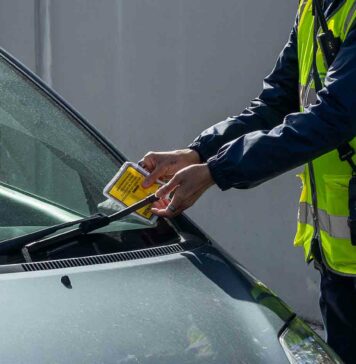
(52, 168)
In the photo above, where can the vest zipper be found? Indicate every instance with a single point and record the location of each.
(315, 244)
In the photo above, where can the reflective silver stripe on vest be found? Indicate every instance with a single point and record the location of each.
(306, 90)
(349, 17)
(335, 226)
(307, 95)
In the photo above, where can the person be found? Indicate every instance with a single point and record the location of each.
(291, 123)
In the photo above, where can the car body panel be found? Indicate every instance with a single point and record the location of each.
(193, 307)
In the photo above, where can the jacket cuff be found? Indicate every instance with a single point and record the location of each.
(217, 173)
(198, 147)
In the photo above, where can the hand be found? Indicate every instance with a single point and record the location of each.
(164, 165)
(188, 185)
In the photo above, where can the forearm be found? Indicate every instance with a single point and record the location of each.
(259, 156)
(262, 155)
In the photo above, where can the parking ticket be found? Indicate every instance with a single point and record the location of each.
(126, 189)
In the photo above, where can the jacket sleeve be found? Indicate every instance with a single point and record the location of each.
(278, 98)
(258, 156)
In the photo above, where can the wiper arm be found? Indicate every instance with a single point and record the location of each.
(86, 225)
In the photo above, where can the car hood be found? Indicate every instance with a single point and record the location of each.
(193, 307)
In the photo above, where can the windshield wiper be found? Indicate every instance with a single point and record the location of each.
(86, 225)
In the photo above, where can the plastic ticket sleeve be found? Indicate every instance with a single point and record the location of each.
(126, 188)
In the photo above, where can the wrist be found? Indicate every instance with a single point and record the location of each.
(218, 173)
(206, 174)
(190, 156)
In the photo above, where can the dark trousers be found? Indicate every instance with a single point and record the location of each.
(338, 308)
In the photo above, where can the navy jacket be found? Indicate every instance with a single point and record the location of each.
(271, 137)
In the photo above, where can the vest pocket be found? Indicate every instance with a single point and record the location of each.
(336, 194)
(333, 210)
(339, 254)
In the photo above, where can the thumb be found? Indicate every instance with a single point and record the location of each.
(168, 187)
(152, 177)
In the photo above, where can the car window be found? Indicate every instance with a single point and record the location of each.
(52, 169)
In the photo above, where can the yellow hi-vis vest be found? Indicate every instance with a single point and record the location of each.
(331, 175)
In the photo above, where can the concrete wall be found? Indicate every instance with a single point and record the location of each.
(151, 74)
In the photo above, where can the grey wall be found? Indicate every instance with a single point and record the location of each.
(151, 74)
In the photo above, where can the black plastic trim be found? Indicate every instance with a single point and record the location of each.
(103, 259)
(286, 324)
(170, 249)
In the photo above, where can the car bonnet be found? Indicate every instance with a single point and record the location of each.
(192, 307)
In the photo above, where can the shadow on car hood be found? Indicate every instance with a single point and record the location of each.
(194, 307)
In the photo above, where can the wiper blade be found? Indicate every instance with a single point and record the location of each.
(86, 225)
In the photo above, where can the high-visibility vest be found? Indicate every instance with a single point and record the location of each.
(331, 175)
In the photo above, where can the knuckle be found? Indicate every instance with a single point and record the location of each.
(150, 154)
(172, 181)
(176, 179)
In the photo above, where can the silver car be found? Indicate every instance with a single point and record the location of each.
(78, 288)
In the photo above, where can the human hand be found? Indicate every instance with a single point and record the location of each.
(188, 185)
(164, 165)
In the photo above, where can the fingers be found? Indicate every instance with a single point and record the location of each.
(173, 208)
(151, 162)
(169, 187)
(168, 208)
(153, 177)
(148, 162)
(163, 165)
(188, 185)
(161, 204)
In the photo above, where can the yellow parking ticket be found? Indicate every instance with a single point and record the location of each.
(126, 189)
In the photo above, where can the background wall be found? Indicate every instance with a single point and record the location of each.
(150, 75)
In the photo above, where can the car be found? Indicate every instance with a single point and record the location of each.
(76, 291)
